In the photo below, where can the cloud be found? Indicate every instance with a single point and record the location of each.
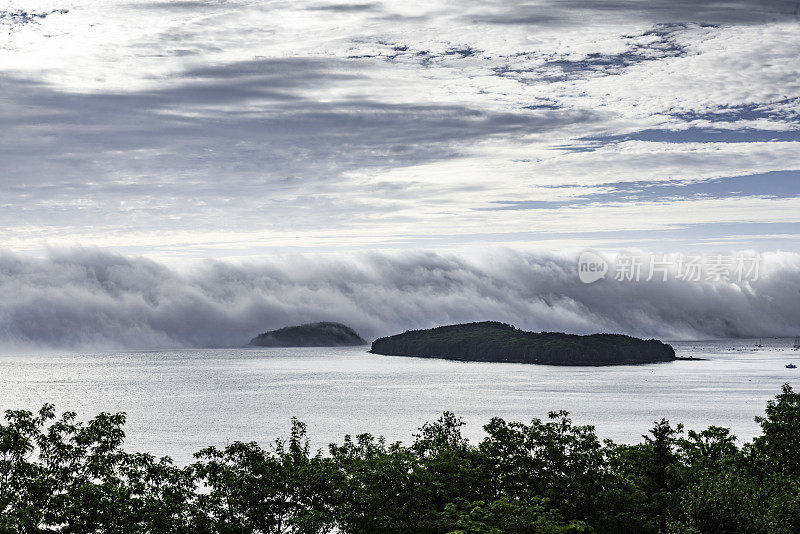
(20, 17)
(205, 126)
(575, 12)
(247, 135)
(85, 298)
(344, 8)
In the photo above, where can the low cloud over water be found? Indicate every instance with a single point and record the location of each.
(89, 299)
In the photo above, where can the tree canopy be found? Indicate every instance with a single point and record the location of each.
(61, 475)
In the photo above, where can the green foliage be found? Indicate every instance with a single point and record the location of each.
(506, 516)
(779, 445)
(374, 491)
(711, 449)
(253, 490)
(555, 459)
(60, 475)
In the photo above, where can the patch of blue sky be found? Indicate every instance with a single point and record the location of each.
(776, 184)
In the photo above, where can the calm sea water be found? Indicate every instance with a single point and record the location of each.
(179, 401)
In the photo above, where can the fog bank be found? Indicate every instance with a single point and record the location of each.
(90, 299)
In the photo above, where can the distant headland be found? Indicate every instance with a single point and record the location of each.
(323, 334)
(492, 341)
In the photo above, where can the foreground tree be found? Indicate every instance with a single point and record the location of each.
(60, 475)
(778, 448)
(251, 490)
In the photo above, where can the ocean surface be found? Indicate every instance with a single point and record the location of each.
(179, 401)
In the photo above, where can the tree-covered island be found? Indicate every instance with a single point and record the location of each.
(492, 341)
(323, 334)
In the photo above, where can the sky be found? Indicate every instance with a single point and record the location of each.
(249, 133)
(235, 129)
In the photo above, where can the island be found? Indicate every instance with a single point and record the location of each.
(492, 341)
(323, 334)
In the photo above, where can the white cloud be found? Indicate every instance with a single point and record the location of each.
(200, 126)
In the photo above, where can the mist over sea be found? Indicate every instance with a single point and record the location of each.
(87, 299)
(182, 400)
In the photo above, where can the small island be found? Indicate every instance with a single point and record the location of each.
(492, 341)
(323, 334)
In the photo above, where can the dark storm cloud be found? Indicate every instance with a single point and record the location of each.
(86, 298)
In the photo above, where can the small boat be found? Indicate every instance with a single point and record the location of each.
(759, 344)
(791, 366)
(796, 343)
